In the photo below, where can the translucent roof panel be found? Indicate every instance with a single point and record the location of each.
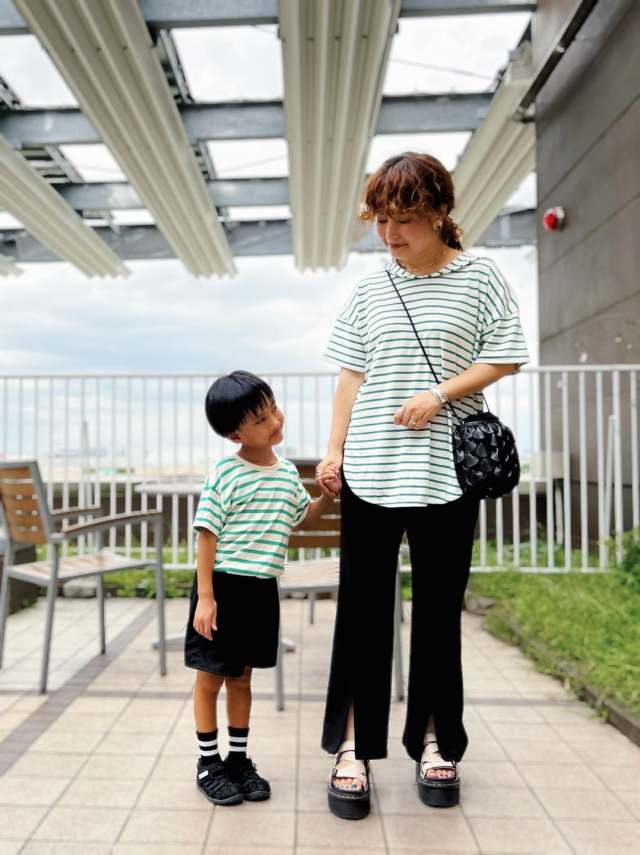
(42, 84)
(451, 54)
(8, 221)
(250, 158)
(216, 67)
(94, 162)
(259, 212)
(133, 217)
(526, 194)
(446, 147)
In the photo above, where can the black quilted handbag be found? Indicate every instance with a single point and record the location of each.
(484, 449)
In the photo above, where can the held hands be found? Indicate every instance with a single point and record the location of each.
(417, 411)
(204, 620)
(328, 475)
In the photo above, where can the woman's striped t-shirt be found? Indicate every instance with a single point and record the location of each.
(251, 510)
(464, 313)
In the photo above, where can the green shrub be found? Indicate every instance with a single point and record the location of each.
(629, 567)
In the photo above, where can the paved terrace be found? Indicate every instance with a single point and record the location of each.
(105, 762)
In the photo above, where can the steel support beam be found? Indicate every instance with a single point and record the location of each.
(169, 14)
(252, 120)
(273, 237)
(119, 196)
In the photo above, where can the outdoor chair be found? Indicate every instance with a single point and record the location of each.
(321, 575)
(28, 519)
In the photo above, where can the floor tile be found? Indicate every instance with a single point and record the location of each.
(19, 822)
(276, 829)
(446, 831)
(571, 803)
(513, 836)
(315, 827)
(90, 792)
(66, 848)
(558, 775)
(98, 825)
(599, 837)
(500, 802)
(31, 790)
(166, 826)
(133, 766)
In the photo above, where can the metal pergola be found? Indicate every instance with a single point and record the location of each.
(119, 59)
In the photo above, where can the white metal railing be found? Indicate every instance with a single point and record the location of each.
(98, 437)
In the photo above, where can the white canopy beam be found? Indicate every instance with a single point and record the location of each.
(169, 14)
(499, 155)
(334, 57)
(30, 198)
(105, 53)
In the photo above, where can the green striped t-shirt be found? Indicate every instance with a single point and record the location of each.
(464, 313)
(251, 510)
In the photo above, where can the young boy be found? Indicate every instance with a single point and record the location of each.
(249, 504)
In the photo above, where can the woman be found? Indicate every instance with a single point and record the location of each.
(391, 437)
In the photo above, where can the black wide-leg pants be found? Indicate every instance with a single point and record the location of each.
(440, 542)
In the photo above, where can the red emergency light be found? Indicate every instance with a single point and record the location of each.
(553, 219)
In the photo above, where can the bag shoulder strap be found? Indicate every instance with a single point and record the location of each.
(426, 355)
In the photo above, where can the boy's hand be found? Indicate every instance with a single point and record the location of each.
(204, 620)
(331, 481)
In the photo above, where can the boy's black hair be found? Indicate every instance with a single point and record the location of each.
(233, 397)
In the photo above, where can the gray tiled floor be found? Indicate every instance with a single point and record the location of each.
(107, 766)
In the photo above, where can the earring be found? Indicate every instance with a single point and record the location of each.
(437, 226)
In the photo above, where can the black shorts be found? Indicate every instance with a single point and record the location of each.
(248, 621)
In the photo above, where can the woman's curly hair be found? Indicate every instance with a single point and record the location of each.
(413, 183)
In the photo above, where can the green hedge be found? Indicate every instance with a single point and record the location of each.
(589, 622)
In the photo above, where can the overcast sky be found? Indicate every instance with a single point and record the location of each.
(269, 317)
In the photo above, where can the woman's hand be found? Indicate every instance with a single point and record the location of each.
(417, 411)
(328, 474)
(204, 620)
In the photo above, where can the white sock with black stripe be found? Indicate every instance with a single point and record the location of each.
(208, 747)
(238, 738)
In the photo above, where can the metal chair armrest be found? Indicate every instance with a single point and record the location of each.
(69, 513)
(116, 520)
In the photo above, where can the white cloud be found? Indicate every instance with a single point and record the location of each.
(270, 317)
(162, 319)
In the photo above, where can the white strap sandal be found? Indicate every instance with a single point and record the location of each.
(356, 769)
(436, 792)
(355, 802)
(432, 759)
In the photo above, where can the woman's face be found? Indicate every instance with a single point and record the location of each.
(408, 235)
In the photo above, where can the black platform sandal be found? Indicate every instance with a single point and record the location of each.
(349, 804)
(437, 792)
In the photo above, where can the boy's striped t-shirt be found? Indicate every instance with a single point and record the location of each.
(251, 510)
(465, 313)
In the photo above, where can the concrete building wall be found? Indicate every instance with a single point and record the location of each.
(588, 132)
(588, 161)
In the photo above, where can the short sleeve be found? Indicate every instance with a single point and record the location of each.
(345, 347)
(303, 500)
(501, 337)
(212, 512)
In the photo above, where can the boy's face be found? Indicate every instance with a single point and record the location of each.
(262, 429)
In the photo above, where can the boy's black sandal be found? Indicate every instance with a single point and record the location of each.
(214, 783)
(243, 772)
(437, 792)
(349, 804)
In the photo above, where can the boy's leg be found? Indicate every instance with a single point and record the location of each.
(240, 767)
(239, 699)
(211, 777)
(205, 700)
